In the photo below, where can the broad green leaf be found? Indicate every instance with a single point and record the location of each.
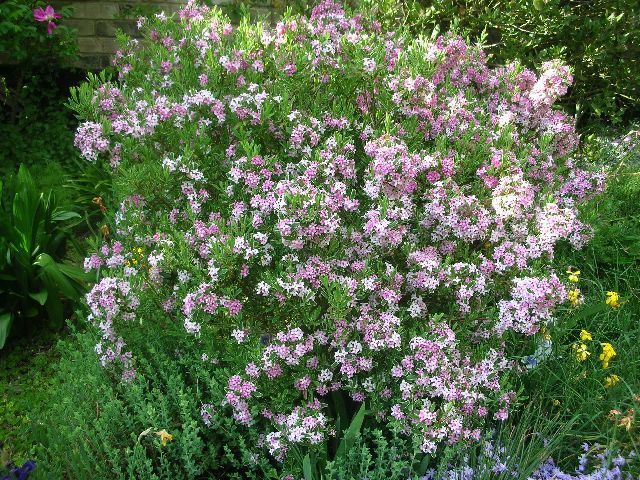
(27, 209)
(40, 297)
(6, 319)
(424, 464)
(53, 277)
(306, 468)
(75, 273)
(64, 215)
(55, 311)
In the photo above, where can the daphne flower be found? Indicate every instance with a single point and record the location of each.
(239, 335)
(369, 65)
(46, 14)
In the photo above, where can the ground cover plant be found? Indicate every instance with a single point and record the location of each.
(28, 368)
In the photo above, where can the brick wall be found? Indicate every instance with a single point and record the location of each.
(98, 21)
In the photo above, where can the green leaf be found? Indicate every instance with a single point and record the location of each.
(435, 32)
(591, 310)
(40, 297)
(538, 4)
(54, 278)
(6, 319)
(352, 432)
(29, 211)
(424, 464)
(55, 311)
(306, 468)
(64, 215)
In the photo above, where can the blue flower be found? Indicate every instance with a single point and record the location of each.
(21, 473)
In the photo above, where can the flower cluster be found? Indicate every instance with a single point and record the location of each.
(582, 353)
(607, 354)
(594, 463)
(344, 211)
(21, 473)
(613, 299)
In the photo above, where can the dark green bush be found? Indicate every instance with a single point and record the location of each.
(35, 128)
(599, 39)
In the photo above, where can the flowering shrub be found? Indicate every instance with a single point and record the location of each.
(329, 210)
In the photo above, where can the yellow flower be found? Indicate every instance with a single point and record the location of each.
(585, 336)
(139, 250)
(626, 422)
(611, 380)
(164, 437)
(607, 354)
(574, 297)
(581, 351)
(613, 299)
(574, 276)
(545, 333)
(556, 403)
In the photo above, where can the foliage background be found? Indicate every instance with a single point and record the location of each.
(599, 39)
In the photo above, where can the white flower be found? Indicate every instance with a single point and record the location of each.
(239, 335)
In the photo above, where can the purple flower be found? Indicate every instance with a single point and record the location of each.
(46, 14)
(23, 472)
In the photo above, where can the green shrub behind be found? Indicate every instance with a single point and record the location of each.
(599, 39)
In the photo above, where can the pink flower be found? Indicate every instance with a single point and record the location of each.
(47, 14)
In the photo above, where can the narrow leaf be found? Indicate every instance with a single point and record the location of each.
(352, 432)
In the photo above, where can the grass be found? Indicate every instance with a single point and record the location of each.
(574, 390)
(28, 371)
